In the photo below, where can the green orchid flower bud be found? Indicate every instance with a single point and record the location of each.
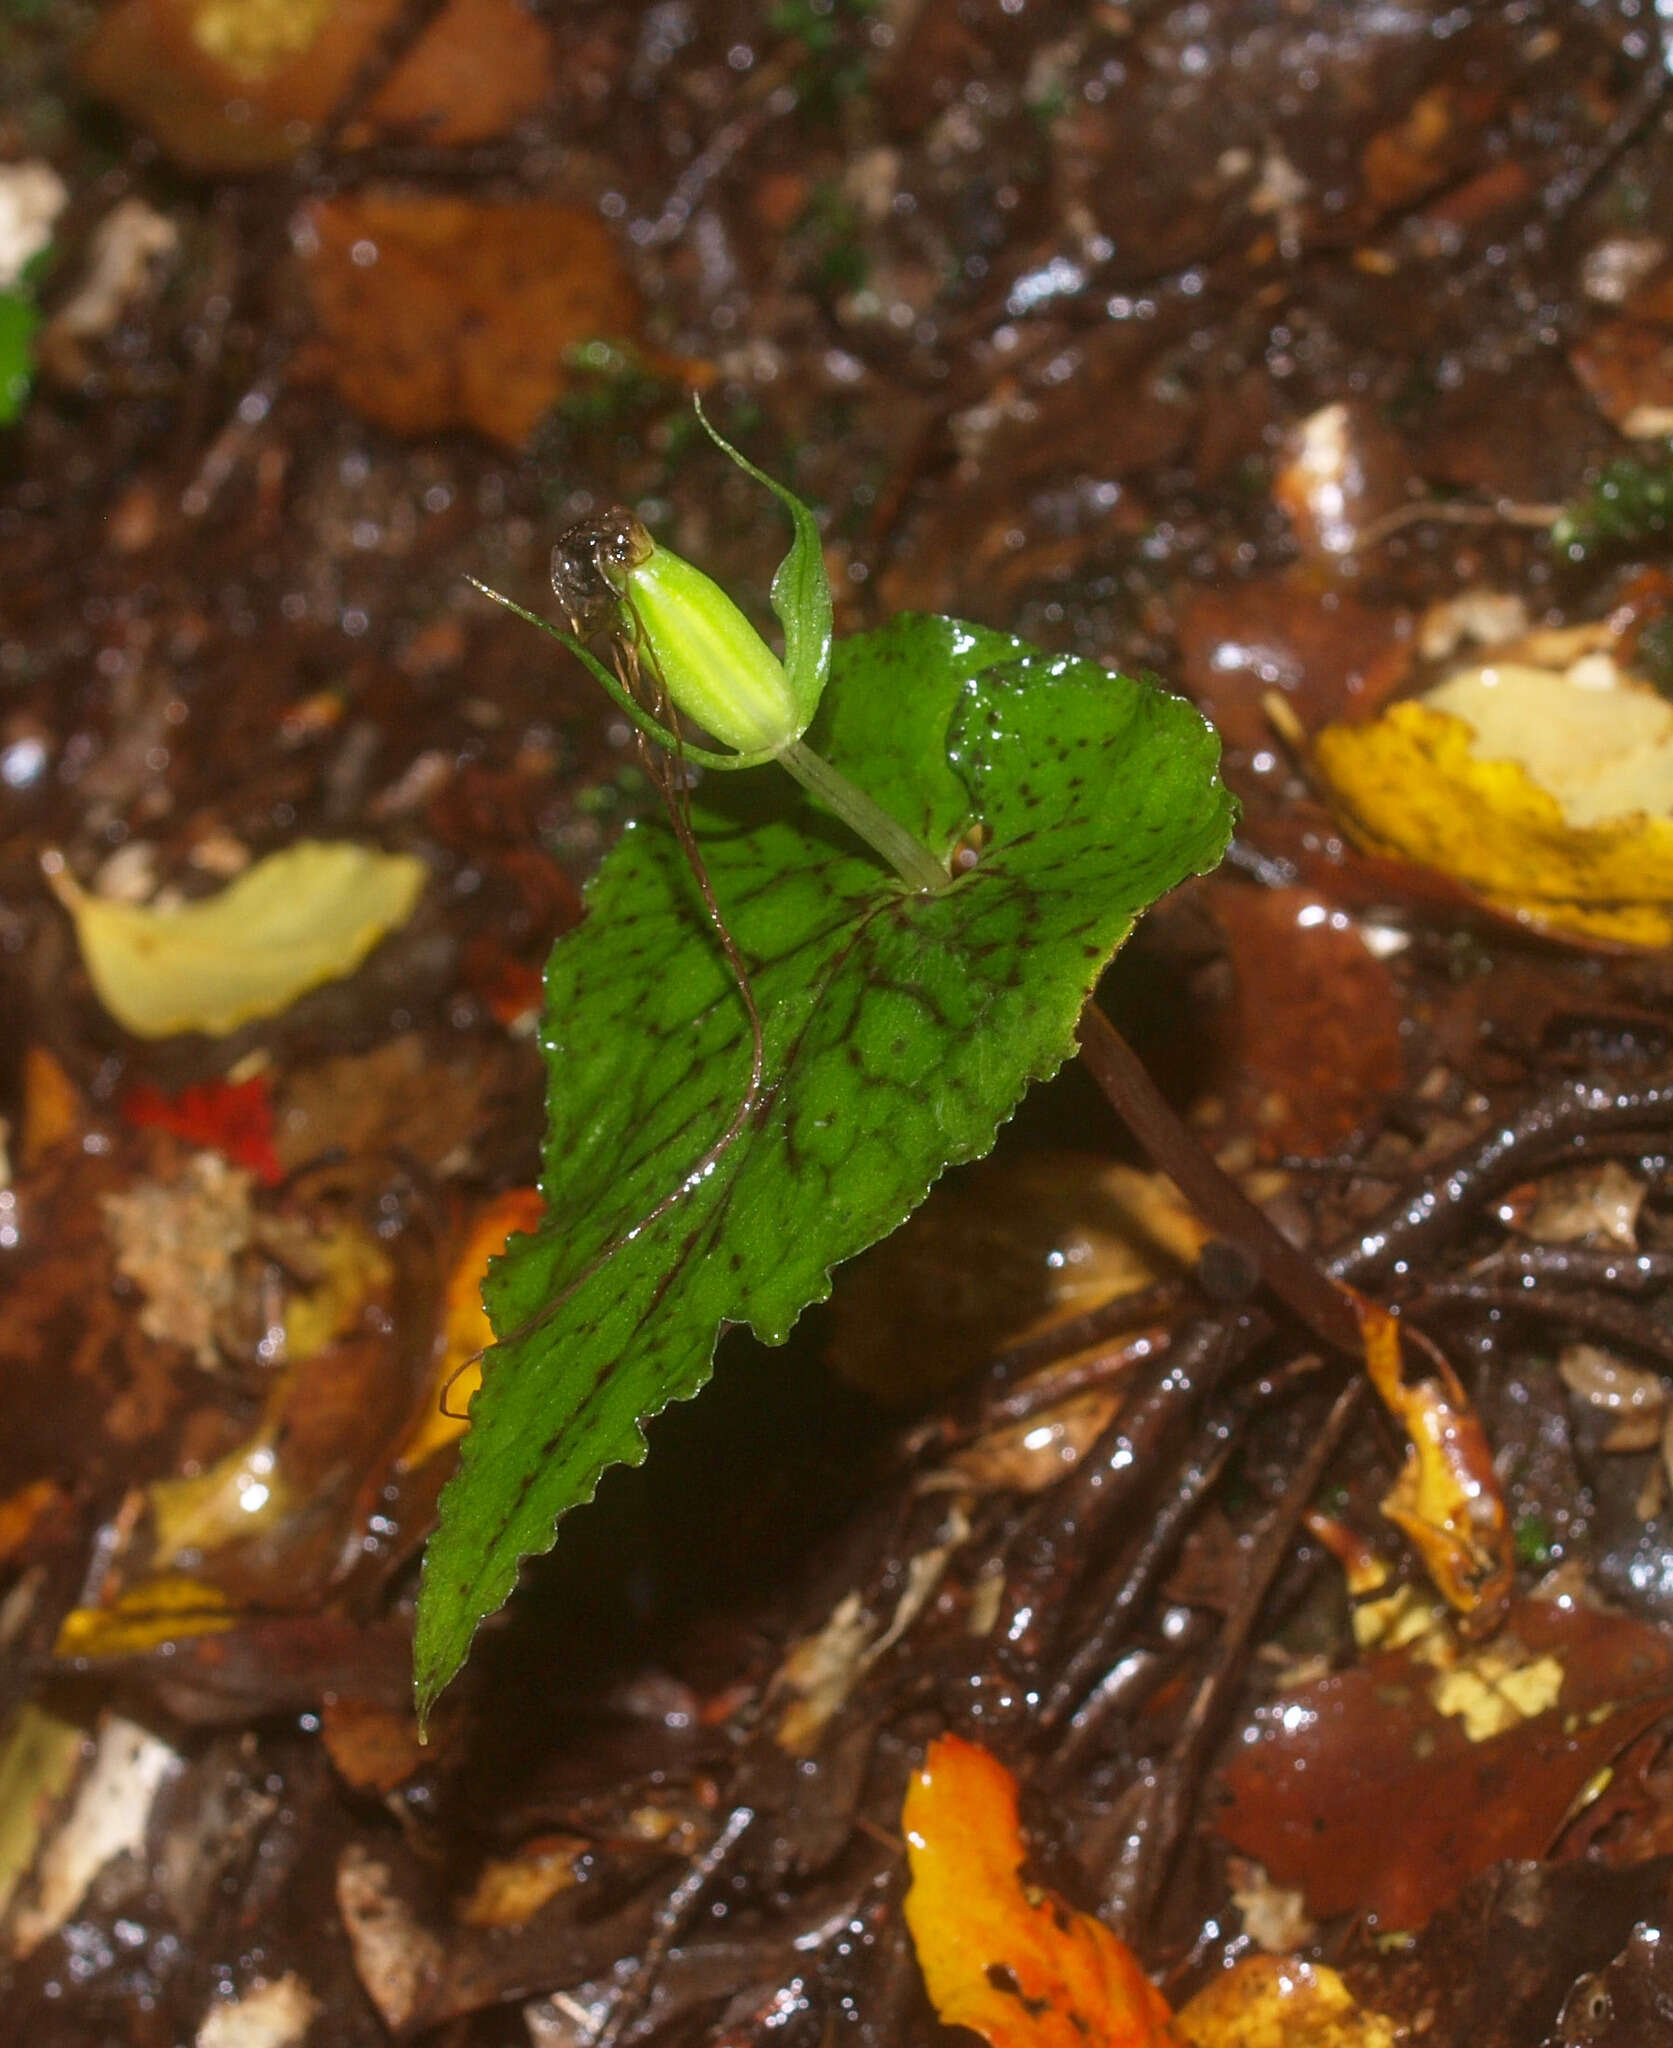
(714, 665)
(611, 578)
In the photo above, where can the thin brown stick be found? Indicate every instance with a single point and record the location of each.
(1175, 1786)
(1290, 1274)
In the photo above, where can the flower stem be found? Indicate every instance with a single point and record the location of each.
(914, 863)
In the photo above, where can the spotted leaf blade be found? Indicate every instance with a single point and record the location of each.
(900, 1030)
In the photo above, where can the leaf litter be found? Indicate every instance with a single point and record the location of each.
(1002, 422)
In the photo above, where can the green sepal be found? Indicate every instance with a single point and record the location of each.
(801, 591)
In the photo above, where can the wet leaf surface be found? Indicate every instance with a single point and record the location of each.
(1325, 1765)
(1547, 794)
(899, 1032)
(307, 915)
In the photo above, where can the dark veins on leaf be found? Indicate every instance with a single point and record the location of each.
(900, 1031)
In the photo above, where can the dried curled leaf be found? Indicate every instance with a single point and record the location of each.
(1446, 1501)
(308, 914)
(1012, 1963)
(1548, 792)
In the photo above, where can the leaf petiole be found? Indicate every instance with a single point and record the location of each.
(909, 857)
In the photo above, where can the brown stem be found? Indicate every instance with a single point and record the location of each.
(1216, 1197)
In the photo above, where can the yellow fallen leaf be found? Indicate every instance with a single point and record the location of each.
(306, 915)
(352, 1268)
(237, 1496)
(1494, 1688)
(510, 1890)
(1446, 1500)
(1550, 792)
(39, 1758)
(1278, 2002)
(163, 1609)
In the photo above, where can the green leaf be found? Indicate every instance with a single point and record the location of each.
(1629, 506)
(19, 320)
(900, 1031)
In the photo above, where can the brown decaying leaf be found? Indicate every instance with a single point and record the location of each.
(1627, 368)
(1311, 1794)
(437, 312)
(1332, 661)
(1521, 1957)
(1000, 1253)
(374, 1747)
(1012, 1963)
(1343, 470)
(174, 65)
(1426, 146)
(1312, 1045)
(398, 1100)
(52, 1106)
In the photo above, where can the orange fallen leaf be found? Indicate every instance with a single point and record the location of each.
(25, 1511)
(52, 1106)
(373, 1747)
(466, 1330)
(1009, 1961)
(1446, 1501)
(437, 312)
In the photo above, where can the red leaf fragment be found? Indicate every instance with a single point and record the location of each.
(234, 1118)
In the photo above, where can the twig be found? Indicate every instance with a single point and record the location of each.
(1068, 1524)
(1289, 1273)
(1597, 1316)
(1173, 1793)
(671, 1916)
(1139, 1575)
(1576, 1265)
(1564, 1119)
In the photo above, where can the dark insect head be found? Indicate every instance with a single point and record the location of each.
(589, 564)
